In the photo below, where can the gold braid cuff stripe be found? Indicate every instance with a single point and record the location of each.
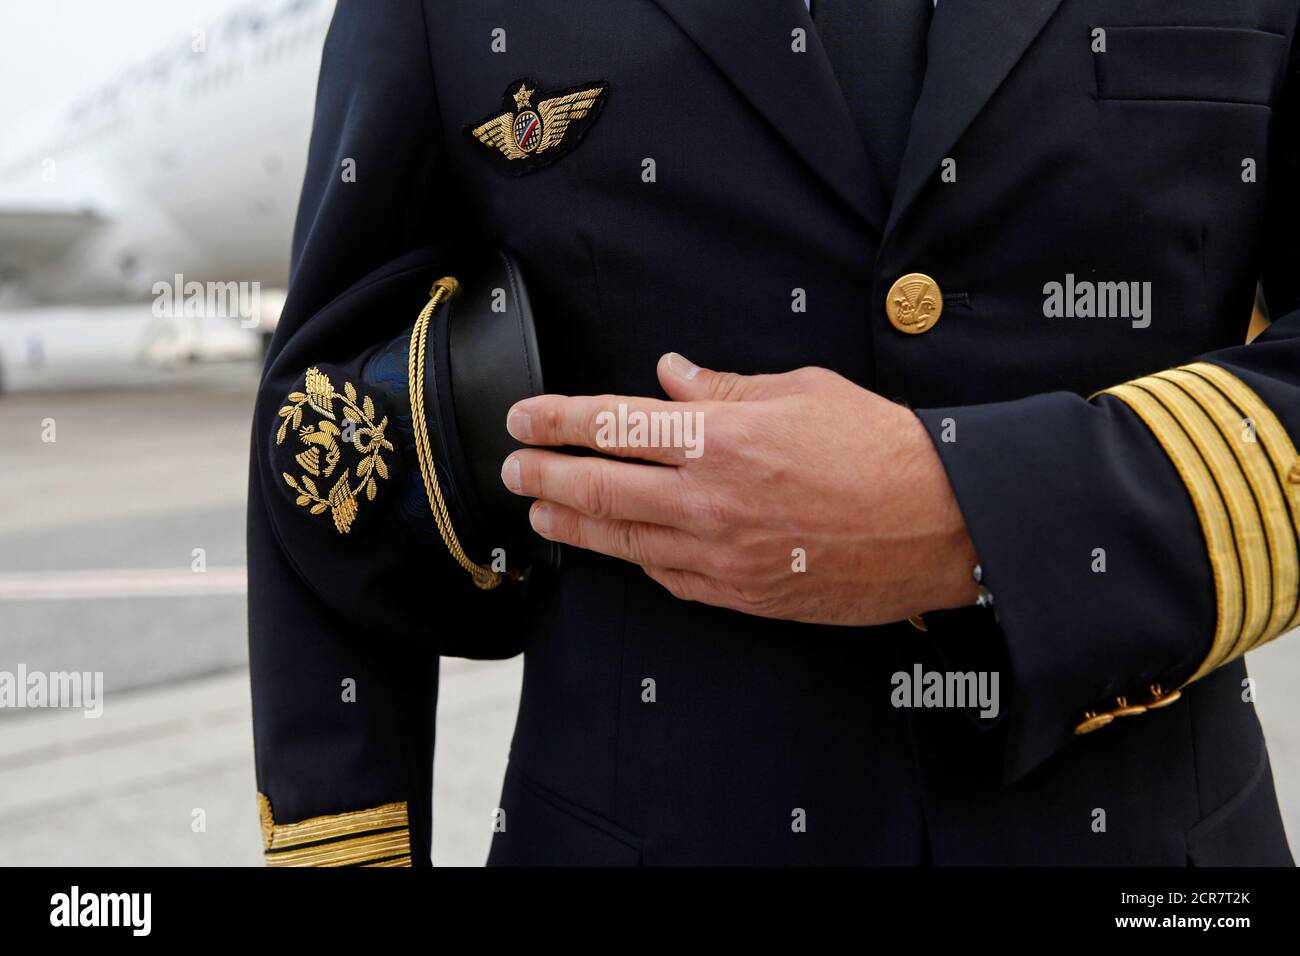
(1281, 453)
(1210, 510)
(1243, 514)
(1281, 547)
(1239, 466)
(354, 852)
(442, 290)
(376, 837)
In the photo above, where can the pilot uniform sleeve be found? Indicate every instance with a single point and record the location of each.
(1138, 540)
(348, 610)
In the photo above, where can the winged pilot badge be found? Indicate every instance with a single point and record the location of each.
(528, 137)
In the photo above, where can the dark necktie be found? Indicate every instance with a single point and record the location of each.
(877, 50)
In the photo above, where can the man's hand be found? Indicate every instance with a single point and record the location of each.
(798, 496)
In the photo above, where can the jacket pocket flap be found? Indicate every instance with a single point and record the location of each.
(1206, 64)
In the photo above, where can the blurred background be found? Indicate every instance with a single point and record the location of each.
(147, 146)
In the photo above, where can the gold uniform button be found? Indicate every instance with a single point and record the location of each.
(1093, 722)
(914, 304)
(1124, 709)
(1161, 699)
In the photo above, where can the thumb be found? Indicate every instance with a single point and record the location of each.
(684, 381)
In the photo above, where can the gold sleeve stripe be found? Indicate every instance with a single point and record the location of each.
(395, 861)
(361, 836)
(1278, 446)
(1270, 497)
(362, 849)
(343, 824)
(1210, 509)
(1243, 512)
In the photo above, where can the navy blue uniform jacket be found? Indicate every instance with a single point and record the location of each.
(1161, 150)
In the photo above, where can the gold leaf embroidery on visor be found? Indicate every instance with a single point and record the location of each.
(313, 418)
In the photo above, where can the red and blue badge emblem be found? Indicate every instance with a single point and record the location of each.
(528, 130)
(525, 137)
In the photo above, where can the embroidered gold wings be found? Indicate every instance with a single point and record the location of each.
(526, 131)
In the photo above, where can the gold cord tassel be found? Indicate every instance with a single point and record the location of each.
(442, 290)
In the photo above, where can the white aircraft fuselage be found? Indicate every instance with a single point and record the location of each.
(188, 164)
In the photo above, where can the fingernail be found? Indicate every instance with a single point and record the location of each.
(510, 474)
(682, 366)
(541, 518)
(520, 425)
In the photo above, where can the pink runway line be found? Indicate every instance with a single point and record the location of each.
(126, 582)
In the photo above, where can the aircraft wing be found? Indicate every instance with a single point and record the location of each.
(31, 236)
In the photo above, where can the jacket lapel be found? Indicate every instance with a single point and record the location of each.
(795, 92)
(973, 45)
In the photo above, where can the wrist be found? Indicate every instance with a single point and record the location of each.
(951, 559)
(956, 580)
